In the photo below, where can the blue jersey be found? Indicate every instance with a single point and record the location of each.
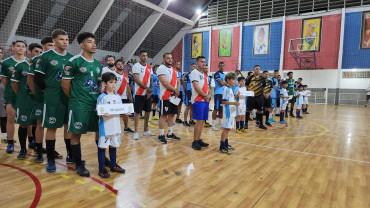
(275, 93)
(155, 85)
(179, 76)
(219, 89)
(209, 81)
(188, 82)
(229, 110)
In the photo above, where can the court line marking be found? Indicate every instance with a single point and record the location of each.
(35, 180)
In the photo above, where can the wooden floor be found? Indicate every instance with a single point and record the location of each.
(320, 161)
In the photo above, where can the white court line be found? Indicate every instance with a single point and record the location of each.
(307, 153)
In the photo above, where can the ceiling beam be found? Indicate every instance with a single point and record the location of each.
(12, 21)
(92, 24)
(135, 41)
(164, 11)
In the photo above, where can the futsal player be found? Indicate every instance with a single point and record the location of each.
(283, 101)
(179, 75)
(268, 90)
(155, 93)
(188, 89)
(291, 91)
(219, 78)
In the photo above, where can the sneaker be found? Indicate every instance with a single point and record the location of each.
(262, 126)
(244, 130)
(22, 154)
(4, 140)
(307, 112)
(149, 133)
(173, 137)
(214, 128)
(273, 120)
(202, 144)
(283, 122)
(238, 131)
(206, 124)
(291, 115)
(51, 166)
(154, 118)
(82, 171)
(299, 117)
(257, 123)
(225, 151)
(31, 145)
(104, 173)
(57, 155)
(39, 159)
(141, 117)
(192, 123)
(268, 124)
(195, 145)
(69, 160)
(128, 130)
(10, 148)
(136, 136)
(186, 123)
(277, 114)
(270, 121)
(286, 115)
(117, 169)
(107, 162)
(162, 139)
(229, 147)
(178, 120)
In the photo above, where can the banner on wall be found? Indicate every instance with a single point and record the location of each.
(261, 39)
(196, 45)
(225, 43)
(365, 30)
(311, 33)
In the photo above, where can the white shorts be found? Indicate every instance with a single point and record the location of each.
(283, 105)
(299, 106)
(229, 123)
(305, 101)
(241, 110)
(113, 140)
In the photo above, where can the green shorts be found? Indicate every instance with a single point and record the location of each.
(54, 116)
(80, 122)
(293, 100)
(37, 111)
(23, 117)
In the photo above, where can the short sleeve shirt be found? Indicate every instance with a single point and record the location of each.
(197, 76)
(171, 75)
(256, 85)
(39, 95)
(228, 95)
(24, 95)
(145, 72)
(7, 69)
(219, 89)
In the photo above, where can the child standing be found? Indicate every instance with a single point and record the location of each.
(229, 113)
(299, 96)
(240, 128)
(109, 127)
(283, 101)
(307, 93)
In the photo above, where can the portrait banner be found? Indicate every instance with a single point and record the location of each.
(261, 39)
(365, 30)
(225, 43)
(196, 45)
(311, 33)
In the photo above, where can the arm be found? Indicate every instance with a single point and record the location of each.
(221, 82)
(129, 93)
(224, 102)
(237, 95)
(40, 80)
(66, 86)
(15, 87)
(178, 86)
(165, 83)
(140, 83)
(3, 81)
(31, 83)
(199, 90)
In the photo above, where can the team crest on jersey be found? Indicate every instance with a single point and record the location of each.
(83, 69)
(38, 112)
(201, 77)
(98, 70)
(38, 60)
(78, 125)
(52, 120)
(166, 109)
(54, 62)
(24, 73)
(11, 69)
(23, 118)
(66, 70)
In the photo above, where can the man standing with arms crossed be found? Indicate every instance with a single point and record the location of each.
(143, 76)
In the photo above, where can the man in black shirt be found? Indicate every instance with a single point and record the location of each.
(267, 91)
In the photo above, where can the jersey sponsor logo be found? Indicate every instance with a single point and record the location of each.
(52, 120)
(12, 69)
(91, 83)
(83, 69)
(59, 76)
(24, 73)
(201, 77)
(38, 112)
(78, 125)
(38, 60)
(23, 118)
(54, 62)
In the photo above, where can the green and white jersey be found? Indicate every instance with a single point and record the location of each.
(24, 95)
(39, 96)
(7, 69)
(84, 84)
(290, 88)
(52, 64)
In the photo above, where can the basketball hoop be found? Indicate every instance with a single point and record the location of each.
(304, 57)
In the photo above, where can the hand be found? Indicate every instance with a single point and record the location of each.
(266, 96)
(236, 103)
(206, 99)
(106, 115)
(149, 91)
(148, 95)
(176, 93)
(131, 100)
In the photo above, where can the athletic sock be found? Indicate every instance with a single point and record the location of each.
(281, 116)
(213, 122)
(50, 149)
(222, 145)
(153, 112)
(101, 159)
(237, 125)
(267, 114)
(286, 110)
(299, 113)
(112, 156)
(76, 152)
(161, 132)
(291, 110)
(22, 136)
(248, 115)
(39, 149)
(226, 142)
(68, 147)
(241, 124)
(259, 117)
(170, 130)
(270, 116)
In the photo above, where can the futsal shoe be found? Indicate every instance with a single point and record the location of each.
(273, 120)
(148, 133)
(22, 154)
(244, 130)
(104, 173)
(57, 155)
(202, 144)
(286, 115)
(277, 114)
(206, 124)
(82, 171)
(283, 122)
(195, 145)
(162, 139)
(70, 160)
(192, 123)
(128, 130)
(291, 115)
(229, 147)
(214, 128)
(39, 159)
(268, 124)
(31, 145)
(186, 123)
(178, 121)
(117, 169)
(262, 126)
(299, 117)
(154, 118)
(270, 121)
(51, 166)
(10, 148)
(136, 136)
(257, 123)
(224, 151)
(238, 131)
(173, 137)
(107, 162)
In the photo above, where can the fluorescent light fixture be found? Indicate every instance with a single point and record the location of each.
(199, 11)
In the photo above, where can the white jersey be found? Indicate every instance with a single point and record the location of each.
(145, 72)
(121, 87)
(300, 99)
(368, 93)
(109, 126)
(171, 76)
(242, 105)
(107, 69)
(201, 78)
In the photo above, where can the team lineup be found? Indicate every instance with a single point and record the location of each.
(51, 89)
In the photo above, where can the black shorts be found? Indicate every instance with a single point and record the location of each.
(267, 102)
(278, 103)
(125, 101)
(168, 108)
(255, 103)
(155, 98)
(181, 96)
(367, 97)
(142, 104)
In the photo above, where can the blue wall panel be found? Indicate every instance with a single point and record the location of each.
(267, 62)
(187, 50)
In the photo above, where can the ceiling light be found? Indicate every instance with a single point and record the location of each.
(199, 11)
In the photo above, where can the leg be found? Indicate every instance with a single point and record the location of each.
(22, 136)
(39, 137)
(146, 121)
(3, 128)
(125, 121)
(10, 122)
(186, 113)
(67, 141)
(136, 121)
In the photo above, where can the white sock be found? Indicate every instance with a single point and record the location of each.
(270, 116)
(220, 121)
(170, 129)
(161, 132)
(254, 113)
(213, 122)
(4, 135)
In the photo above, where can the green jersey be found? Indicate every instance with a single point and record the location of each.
(24, 95)
(7, 69)
(39, 96)
(52, 64)
(290, 86)
(84, 84)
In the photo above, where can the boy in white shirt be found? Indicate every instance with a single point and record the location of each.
(109, 127)
(241, 109)
(307, 93)
(300, 101)
(283, 101)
